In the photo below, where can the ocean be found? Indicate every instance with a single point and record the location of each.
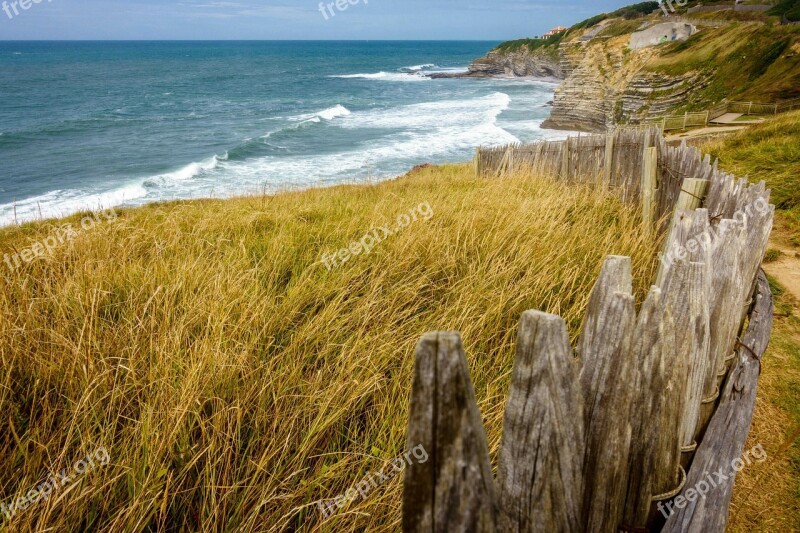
(91, 125)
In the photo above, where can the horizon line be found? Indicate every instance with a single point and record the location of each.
(246, 40)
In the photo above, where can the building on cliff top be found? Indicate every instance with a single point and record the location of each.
(554, 31)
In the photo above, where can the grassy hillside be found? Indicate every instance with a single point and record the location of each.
(769, 152)
(235, 380)
(744, 61)
(627, 13)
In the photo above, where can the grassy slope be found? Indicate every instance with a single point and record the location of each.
(745, 61)
(767, 497)
(235, 381)
(627, 13)
(770, 152)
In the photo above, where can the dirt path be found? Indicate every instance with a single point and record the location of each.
(733, 118)
(787, 268)
(787, 271)
(703, 132)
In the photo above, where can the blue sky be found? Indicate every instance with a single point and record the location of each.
(291, 19)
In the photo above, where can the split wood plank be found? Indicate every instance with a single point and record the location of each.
(453, 491)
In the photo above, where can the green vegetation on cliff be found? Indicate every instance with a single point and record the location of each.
(628, 12)
(518, 45)
(787, 8)
(742, 60)
(769, 152)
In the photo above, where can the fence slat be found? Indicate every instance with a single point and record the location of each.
(604, 349)
(725, 439)
(454, 490)
(541, 455)
(653, 349)
(648, 188)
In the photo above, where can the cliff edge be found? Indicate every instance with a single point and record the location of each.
(639, 65)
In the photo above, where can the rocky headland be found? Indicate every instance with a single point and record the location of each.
(519, 63)
(604, 81)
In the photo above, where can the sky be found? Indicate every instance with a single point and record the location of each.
(290, 19)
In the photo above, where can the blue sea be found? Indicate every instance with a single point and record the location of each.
(89, 125)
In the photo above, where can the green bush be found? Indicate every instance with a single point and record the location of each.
(788, 8)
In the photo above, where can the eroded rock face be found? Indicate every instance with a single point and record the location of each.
(519, 64)
(605, 82)
(609, 85)
(651, 95)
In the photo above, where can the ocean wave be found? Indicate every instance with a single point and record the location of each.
(334, 112)
(186, 173)
(384, 76)
(431, 115)
(418, 68)
(432, 131)
(260, 146)
(61, 203)
(326, 114)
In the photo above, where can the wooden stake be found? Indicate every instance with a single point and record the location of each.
(648, 190)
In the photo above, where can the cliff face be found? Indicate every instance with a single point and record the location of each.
(609, 85)
(542, 63)
(606, 79)
(650, 95)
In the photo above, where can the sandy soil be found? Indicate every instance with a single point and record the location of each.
(786, 269)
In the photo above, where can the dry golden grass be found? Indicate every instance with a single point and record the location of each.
(767, 495)
(235, 381)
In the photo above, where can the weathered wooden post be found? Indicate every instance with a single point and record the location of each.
(725, 438)
(693, 191)
(604, 349)
(454, 490)
(653, 349)
(565, 159)
(648, 188)
(609, 159)
(541, 455)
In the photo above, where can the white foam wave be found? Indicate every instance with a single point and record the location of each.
(417, 68)
(56, 204)
(334, 112)
(432, 115)
(186, 173)
(326, 114)
(432, 131)
(384, 76)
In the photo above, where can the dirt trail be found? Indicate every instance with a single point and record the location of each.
(787, 268)
(787, 271)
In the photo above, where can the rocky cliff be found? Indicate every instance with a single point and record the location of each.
(604, 80)
(610, 84)
(619, 69)
(520, 63)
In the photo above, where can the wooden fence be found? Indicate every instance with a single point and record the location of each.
(713, 23)
(617, 160)
(657, 399)
(702, 118)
